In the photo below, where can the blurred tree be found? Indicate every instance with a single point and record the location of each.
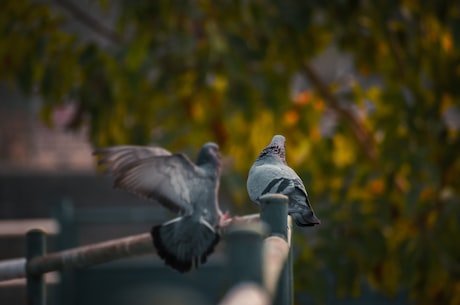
(378, 148)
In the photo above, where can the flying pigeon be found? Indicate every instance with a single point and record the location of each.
(186, 188)
(270, 174)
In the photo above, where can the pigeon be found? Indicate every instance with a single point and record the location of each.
(270, 174)
(186, 188)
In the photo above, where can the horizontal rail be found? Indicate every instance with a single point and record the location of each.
(19, 227)
(12, 268)
(246, 294)
(274, 256)
(77, 257)
(90, 255)
(50, 278)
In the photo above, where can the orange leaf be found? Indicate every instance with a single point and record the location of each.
(291, 117)
(303, 98)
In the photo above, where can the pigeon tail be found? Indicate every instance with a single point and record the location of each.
(304, 218)
(184, 242)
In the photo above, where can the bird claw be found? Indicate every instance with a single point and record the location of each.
(225, 219)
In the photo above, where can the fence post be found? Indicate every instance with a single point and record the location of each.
(244, 243)
(244, 249)
(274, 212)
(36, 246)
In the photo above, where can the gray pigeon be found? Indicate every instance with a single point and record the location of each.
(187, 188)
(270, 174)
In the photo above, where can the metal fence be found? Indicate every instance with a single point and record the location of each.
(258, 255)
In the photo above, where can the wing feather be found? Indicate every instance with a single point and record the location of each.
(166, 179)
(112, 159)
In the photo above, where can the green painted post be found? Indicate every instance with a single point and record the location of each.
(36, 286)
(244, 252)
(274, 212)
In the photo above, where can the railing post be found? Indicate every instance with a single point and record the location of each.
(36, 246)
(274, 212)
(244, 252)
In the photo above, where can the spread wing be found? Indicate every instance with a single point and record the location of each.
(169, 180)
(116, 157)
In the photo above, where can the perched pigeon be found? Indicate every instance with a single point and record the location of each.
(187, 188)
(271, 174)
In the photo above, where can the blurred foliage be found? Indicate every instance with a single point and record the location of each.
(383, 177)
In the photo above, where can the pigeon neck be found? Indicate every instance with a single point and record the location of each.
(274, 153)
(211, 169)
(212, 165)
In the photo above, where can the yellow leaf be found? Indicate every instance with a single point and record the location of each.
(299, 152)
(343, 154)
(374, 93)
(336, 183)
(220, 83)
(197, 111)
(262, 130)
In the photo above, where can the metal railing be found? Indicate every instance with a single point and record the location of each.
(259, 260)
(262, 266)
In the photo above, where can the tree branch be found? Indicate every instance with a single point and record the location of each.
(361, 134)
(92, 23)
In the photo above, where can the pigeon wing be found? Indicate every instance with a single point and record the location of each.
(116, 157)
(272, 178)
(168, 180)
(299, 205)
(263, 179)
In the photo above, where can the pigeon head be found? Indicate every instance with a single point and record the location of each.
(209, 154)
(277, 147)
